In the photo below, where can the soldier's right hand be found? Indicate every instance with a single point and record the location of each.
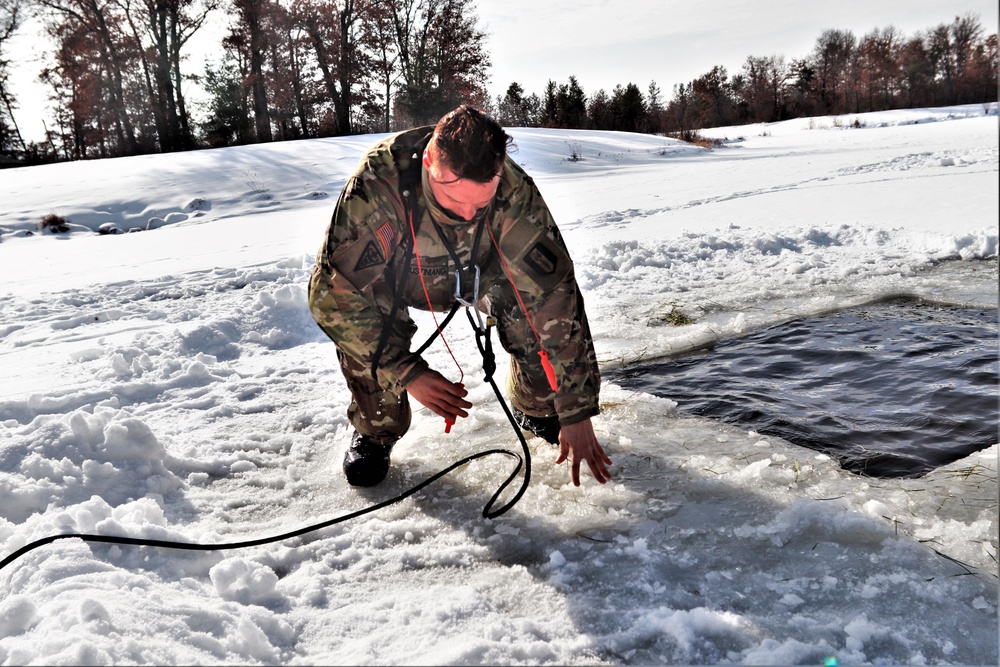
(440, 395)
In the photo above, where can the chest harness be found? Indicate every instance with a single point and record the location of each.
(409, 182)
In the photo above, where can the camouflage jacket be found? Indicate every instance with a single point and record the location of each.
(352, 286)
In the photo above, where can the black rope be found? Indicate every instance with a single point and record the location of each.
(523, 459)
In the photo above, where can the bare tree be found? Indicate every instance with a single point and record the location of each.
(341, 34)
(879, 68)
(966, 35)
(764, 87)
(832, 60)
(249, 34)
(162, 28)
(442, 56)
(385, 54)
(101, 26)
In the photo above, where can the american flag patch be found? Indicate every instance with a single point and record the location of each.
(385, 235)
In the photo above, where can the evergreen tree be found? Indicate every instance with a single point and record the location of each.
(550, 105)
(599, 111)
(571, 105)
(680, 114)
(228, 118)
(628, 108)
(654, 120)
(513, 108)
(712, 98)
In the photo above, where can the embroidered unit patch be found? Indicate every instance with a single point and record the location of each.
(369, 258)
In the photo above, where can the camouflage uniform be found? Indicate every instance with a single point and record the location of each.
(351, 290)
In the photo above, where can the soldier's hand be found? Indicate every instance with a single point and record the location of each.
(578, 442)
(440, 395)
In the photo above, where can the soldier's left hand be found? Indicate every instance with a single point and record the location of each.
(578, 442)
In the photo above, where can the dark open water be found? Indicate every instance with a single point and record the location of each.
(893, 389)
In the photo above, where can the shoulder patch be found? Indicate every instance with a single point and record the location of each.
(531, 253)
(541, 259)
(385, 235)
(369, 257)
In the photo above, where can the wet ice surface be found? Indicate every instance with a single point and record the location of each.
(891, 389)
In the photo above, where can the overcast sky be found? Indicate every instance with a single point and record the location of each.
(607, 42)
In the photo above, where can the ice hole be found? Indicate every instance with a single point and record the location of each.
(891, 389)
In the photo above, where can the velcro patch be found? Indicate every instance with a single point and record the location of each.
(541, 259)
(532, 253)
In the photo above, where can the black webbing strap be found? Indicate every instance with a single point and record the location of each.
(409, 180)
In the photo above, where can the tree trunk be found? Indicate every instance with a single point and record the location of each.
(109, 52)
(312, 28)
(345, 71)
(10, 114)
(300, 106)
(176, 41)
(261, 114)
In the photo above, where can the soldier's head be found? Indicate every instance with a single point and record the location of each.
(464, 159)
(470, 144)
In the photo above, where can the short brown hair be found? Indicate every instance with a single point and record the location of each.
(471, 144)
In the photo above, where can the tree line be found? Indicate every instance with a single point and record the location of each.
(286, 69)
(949, 64)
(297, 69)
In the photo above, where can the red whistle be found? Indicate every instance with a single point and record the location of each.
(550, 372)
(448, 423)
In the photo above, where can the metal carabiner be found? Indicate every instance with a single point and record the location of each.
(475, 293)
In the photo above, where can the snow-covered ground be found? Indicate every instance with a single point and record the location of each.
(171, 384)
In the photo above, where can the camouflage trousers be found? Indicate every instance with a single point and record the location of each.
(385, 416)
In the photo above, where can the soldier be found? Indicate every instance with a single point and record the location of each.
(484, 237)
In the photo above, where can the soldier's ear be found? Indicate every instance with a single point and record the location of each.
(427, 159)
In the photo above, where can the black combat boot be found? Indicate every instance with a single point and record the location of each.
(366, 462)
(546, 428)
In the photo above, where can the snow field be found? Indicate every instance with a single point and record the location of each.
(171, 384)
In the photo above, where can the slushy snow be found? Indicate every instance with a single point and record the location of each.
(170, 384)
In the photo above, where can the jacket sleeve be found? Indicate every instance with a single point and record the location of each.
(543, 273)
(350, 293)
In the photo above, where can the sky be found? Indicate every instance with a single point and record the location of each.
(172, 384)
(669, 41)
(675, 41)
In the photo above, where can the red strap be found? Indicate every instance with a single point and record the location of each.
(550, 372)
(420, 272)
